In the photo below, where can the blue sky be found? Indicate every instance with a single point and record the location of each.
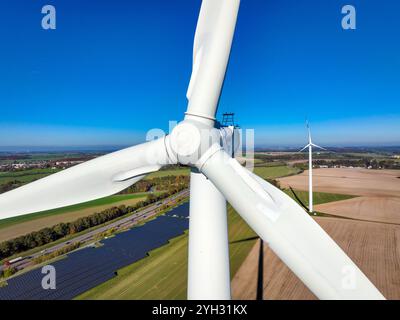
(114, 69)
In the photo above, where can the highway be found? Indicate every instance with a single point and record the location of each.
(126, 222)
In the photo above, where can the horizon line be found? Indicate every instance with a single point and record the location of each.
(115, 147)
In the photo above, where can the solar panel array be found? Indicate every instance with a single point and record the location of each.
(182, 211)
(89, 267)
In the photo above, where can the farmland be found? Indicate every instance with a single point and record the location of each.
(273, 172)
(378, 192)
(32, 222)
(353, 181)
(171, 172)
(338, 191)
(372, 246)
(318, 197)
(369, 234)
(25, 176)
(379, 209)
(163, 275)
(142, 279)
(13, 227)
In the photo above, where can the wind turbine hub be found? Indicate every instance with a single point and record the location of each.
(185, 139)
(190, 139)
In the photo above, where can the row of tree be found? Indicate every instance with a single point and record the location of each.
(10, 185)
(158, 184)
(7, 272)
(58, 231)
(57, 253)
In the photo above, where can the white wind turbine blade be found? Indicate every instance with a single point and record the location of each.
(212, 46)
(310, 140)
(309, 132)
(290, 232)
(304, 148)
(90, 180)
(317, 146)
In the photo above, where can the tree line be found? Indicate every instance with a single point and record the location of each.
(157, 184)
(57, 253)
(8, 272)
(10, 185)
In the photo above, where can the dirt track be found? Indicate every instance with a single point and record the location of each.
(374, 247)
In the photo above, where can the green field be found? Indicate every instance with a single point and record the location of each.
(99, 202)
(163, 275)
(258, 161)
(275, 171)
(172, 172)
(43, 156)
(318, 197)
(25, 176)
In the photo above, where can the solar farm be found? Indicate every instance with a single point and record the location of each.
(91, 266)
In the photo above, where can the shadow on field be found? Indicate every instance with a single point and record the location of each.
(260, 275)
(245, 239)
(298, 199)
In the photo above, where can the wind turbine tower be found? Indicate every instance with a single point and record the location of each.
(310, 145)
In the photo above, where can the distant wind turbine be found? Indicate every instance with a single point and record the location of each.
(310, 185)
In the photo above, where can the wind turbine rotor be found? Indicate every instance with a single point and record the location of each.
(317, 146)
(304, 148)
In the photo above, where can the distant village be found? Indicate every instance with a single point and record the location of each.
(39, 165)
(27, 164)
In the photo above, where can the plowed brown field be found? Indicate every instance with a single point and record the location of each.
(374, 247)
(372, 240)
(378, 191)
